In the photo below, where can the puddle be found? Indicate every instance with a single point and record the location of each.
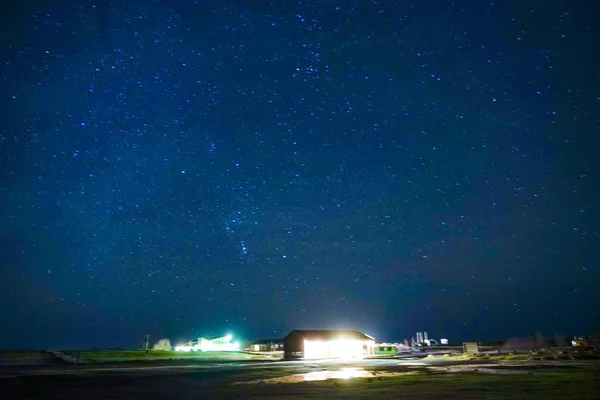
(343, 374)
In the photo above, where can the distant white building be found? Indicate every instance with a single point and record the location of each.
(221, 343)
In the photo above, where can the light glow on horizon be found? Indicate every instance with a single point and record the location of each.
(218, 344)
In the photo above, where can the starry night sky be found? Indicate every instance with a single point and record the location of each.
(187, 168)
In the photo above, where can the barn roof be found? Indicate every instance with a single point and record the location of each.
(325, 335)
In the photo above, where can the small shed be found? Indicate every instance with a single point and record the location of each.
(386, 349)
(470, 348)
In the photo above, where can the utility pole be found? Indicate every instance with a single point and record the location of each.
(146, 344)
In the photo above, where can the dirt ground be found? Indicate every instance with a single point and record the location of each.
(391, 379)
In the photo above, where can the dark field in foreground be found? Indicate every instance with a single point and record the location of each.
(382, 380)
(467, 385)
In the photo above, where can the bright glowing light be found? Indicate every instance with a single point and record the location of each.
(220, 347)
(217, 344)
(341, 348)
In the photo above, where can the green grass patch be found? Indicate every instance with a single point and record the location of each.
(559, 384)
(103, 356)
(564, 384)
(586, 356)
(543, 357)
(514, 357)
(20, 354)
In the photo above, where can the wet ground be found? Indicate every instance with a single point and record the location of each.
(435, 377)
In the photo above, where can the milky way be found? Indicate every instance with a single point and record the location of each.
(187, 168)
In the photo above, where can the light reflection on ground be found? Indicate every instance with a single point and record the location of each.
(344, 374)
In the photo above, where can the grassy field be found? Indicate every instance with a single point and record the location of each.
(20, 354)
(541, 357)
(26, 357)
(547, 385)
(104, 356)
(569, 380)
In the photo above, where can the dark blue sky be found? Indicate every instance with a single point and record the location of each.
(186, 168)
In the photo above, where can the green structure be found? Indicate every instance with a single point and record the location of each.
(386, 350)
